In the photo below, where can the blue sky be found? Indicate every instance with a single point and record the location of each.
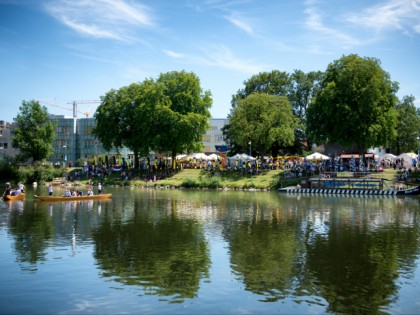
(58, 51)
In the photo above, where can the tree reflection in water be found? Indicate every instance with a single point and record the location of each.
(321, 248)
(341, 254)
(164, 254)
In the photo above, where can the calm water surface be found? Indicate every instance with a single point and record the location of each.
(208, 252)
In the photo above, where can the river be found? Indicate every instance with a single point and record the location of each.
(150, 251)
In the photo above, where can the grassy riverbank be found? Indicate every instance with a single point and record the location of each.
(194, 178)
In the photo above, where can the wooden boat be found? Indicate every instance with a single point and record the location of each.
(62, 198)
(14, 197)
(350, 186)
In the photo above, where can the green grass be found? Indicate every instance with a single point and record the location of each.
(194, 178)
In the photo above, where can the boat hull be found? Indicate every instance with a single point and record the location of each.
(61, 198)
(344, 191)
(18, 197)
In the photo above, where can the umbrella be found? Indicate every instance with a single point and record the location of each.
(317, 156)
(198, 156)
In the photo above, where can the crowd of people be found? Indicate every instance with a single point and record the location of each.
(78, 192)
(9, 191)
(152, 169)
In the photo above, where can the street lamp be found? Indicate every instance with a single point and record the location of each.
(418, 152)
(418, 147)
(65, 155)
(249, 148)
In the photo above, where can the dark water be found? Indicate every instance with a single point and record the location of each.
(208, 252)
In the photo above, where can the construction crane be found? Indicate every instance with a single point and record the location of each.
(74, 109)
(82, 102)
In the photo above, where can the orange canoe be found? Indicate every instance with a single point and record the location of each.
(13, 197)
(62, 198)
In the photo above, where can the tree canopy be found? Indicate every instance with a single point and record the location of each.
(298, 87)
(407, 128)
(263, 120)
(355, 105)
(170, 114)
(34, 132)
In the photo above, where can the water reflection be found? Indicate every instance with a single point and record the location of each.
(164, 254)
(343, 254)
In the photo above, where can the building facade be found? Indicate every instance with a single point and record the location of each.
(214, 136)
(6, 149)
(75, 142)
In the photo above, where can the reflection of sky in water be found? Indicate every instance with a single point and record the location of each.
(70, 279)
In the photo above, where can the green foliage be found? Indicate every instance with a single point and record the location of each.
(37, 173)
(355, 105)
(264, 120)
(190, 183)
(408, 127)
(272, 83)
(170, 114)
(183, 122)
(34, 132)
(7, 170)
(298, 87)
(211, 182)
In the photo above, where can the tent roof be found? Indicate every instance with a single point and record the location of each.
(317, 156)
(407, 155)
(241, 156)
(356, 155)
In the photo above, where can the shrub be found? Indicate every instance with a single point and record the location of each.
(210, 183)
(190, 183)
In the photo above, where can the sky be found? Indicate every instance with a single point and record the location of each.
(64, 51)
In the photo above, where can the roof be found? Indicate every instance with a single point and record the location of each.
(356, 155)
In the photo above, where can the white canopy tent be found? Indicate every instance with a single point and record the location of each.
(388, 156)
(317, 157)
(214, 156)
(198, 156)
(408, 159)
(407, 155)
(241, 157)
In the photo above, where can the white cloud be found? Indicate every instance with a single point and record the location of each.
(173, 54)
(220, 57)
(315, 23)
(89, 30)
(240, 23)
(113, 19)
(392, 14)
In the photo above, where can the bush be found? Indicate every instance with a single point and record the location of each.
(37, 173)
(7, 170)
(210, 183)
(190, 183)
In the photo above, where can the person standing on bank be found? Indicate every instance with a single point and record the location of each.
(50, 190)
(99, 189)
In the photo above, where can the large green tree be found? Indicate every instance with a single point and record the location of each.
(124, 117)
(355, 106)
(304, 87)
(34, 132)
(407, 128)
(274, 83)
(180, 122)
(170, 114)
(299, 87)
(263, 120)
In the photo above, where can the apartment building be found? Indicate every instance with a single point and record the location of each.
(75, 142)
